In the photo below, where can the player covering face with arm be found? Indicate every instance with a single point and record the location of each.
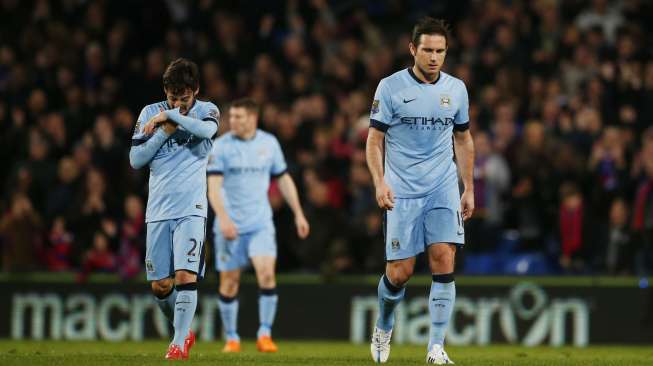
(173, 138)
(411, 160)
(241, 164)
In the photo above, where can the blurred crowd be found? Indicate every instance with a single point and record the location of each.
(561, 109)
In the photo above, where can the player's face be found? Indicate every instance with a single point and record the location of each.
(242, 122)
(429, 54)
(183, 100)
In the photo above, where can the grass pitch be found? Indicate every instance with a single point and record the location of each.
(307, 353)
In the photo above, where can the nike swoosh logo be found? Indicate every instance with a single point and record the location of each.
(460, 233)
(190, 261)
(409, 100)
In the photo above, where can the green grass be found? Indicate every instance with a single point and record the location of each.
(55, 353)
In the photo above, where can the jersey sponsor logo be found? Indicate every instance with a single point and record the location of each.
(427, 123)
(408, 100)
(445, 101)
(375, 106)
(247, 170)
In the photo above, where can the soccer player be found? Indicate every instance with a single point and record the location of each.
(239, 171)
(414, 114)
(174, 138)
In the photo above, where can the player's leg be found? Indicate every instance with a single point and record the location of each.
(263, 254)
(188, 251)
(441, 298)
(391, 290)
(158, 264)
(228, 306)
(230, 257)
(403, 235)
(267, 301)
(444, 230)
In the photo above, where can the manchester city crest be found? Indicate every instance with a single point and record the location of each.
(445, 101)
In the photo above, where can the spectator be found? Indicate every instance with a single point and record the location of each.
(99, 258)
(20, 231)
(60, 248)
(132, 237)
(573, 231)
(491, 184)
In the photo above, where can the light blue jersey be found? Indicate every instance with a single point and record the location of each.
(418, 120)
(247, 166)
(177, 186)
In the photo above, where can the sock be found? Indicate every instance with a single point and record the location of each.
(389, 297)
(167, 303)
(441, 301)
(267, 309)
(229, 314)
(185, 305)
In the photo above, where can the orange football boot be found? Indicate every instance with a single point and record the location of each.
(265, 344)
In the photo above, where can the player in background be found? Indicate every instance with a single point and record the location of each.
(240, 167)
(174, 137)
(410, 155)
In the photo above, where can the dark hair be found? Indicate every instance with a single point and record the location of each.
(428, 25)
(180, 75)
(248, 103)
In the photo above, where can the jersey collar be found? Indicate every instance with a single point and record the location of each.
(412, 74)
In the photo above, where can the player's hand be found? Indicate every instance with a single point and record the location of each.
(467, 204)
(385, 197)
(228, 228)
(302, 226)
(169, 127)
(154, 122)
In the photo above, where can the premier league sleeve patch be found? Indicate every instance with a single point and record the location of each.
(375, 106)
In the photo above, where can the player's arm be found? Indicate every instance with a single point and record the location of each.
(289, 193)
(374, 155)
(227, 226)
(142, 151)
(202, 128)
(464, 148)
(144, 143)
(380, 118)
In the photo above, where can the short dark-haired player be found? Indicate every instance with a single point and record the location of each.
(417, 115)
(173, 138)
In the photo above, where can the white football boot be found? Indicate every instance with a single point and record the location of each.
(380, 346)
(437, 356)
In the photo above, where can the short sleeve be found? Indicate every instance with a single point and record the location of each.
(210, 113)
(216, 159)
(381, 112)
(461, 120)
(279, 166)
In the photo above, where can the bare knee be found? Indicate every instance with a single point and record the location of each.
(183, 277)
(266, 280)
(399, 272)
(161, 288)
(442, 258)
(229, 284)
